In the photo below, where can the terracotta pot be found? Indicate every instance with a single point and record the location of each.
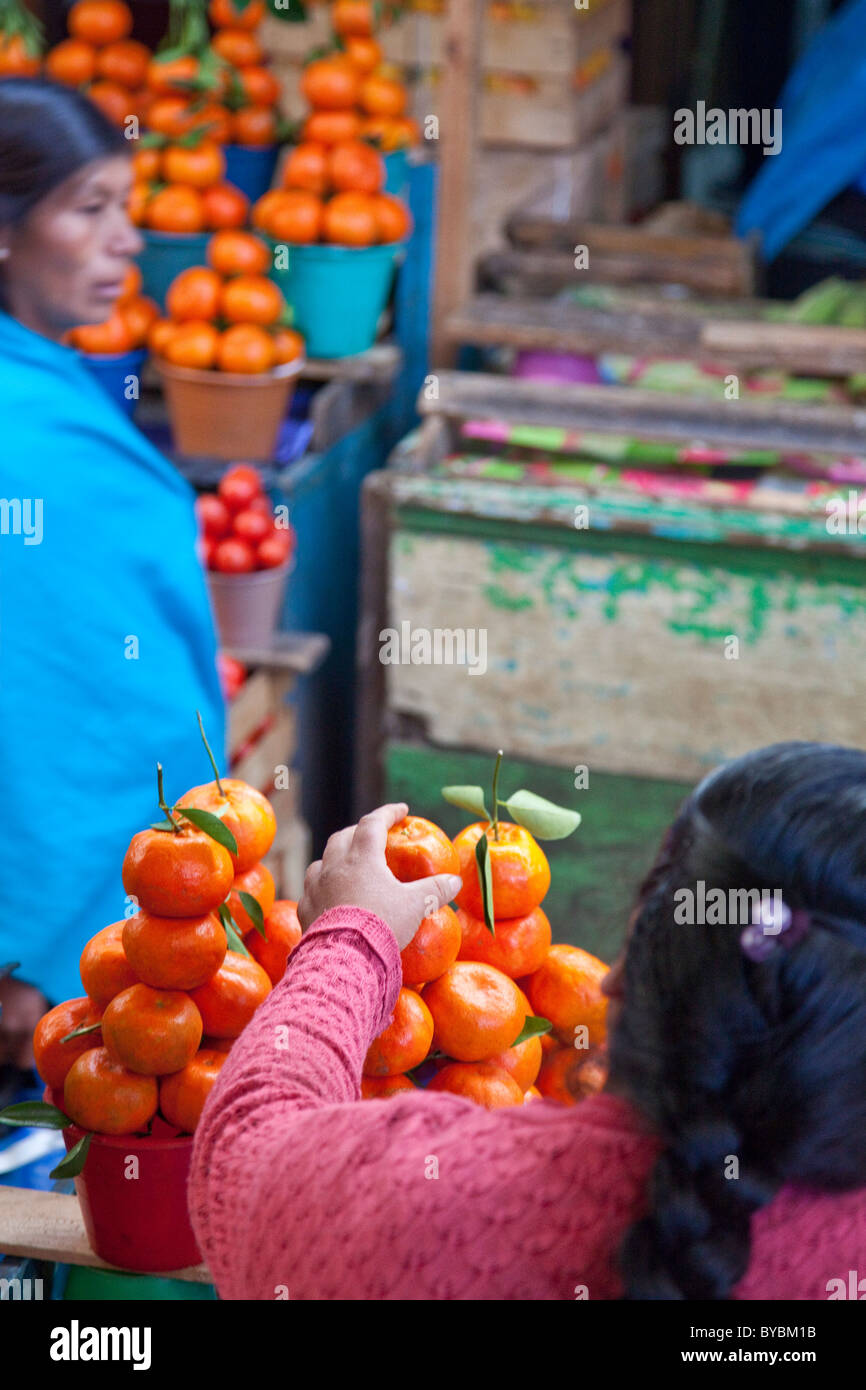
(247, 607)
(227, 415)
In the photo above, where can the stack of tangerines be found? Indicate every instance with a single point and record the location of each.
(223, 86)
(165, 997)
(227, 314)
(100, 58)
(250, 88)
(181, 187)
(352, 92)
(126, 328)
(504, 1018)
(21, 40)
(333, 193)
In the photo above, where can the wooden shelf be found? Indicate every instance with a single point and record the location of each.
(749, 424)
(542, 252)
(49, 1226)
(379, 365)
(667, 330)
(298, 652)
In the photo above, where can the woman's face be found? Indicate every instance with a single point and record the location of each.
(66, 261)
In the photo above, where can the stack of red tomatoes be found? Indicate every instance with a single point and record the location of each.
(240, 531)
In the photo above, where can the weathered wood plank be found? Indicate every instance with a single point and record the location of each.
(300, 652)
(711, 263)
(531, 273)
(561, 326)
(457, 144)
(622, 410)
(49, 1226)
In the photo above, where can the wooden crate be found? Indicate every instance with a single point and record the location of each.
(607, 642)
(551, 76)
(538, 37)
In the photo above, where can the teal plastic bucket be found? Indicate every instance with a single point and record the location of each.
(165, 255)
(251, 169)
(397, 174)
(113, 373)
(337, 294)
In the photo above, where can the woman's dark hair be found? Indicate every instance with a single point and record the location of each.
(47, 132)
(753, 1074)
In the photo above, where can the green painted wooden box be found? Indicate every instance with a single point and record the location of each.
(616, 647)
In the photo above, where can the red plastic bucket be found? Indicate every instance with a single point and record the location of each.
(133, 1199)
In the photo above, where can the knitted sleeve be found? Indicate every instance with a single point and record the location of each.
(298, 1191)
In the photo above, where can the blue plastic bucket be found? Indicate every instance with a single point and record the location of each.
(113, 373)
(397, 174)
(165, 255)
(251, 169)
(337, 294)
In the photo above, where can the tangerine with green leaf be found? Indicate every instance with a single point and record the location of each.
(522, 1061)
(53, 1057)
(244, 811)
(282, 934)
(182, 873)
(258, 882)
(518, 866)
(519, 946)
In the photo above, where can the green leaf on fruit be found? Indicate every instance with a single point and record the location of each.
(485, 879)
(36, 1113)
(162, 825)
(532, 1028)
(253, 908)
(468, 799)
(235, 942)
(82, 1031)
(540, 817)
(211, 825)
(73, 1163)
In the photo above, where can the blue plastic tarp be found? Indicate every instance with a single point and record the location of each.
(823, 135)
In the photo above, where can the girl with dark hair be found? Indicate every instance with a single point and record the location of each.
(107, 645)
(725, 1159)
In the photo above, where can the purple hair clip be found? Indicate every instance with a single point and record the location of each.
(773, 925)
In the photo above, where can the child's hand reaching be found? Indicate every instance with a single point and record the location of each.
(353, 873)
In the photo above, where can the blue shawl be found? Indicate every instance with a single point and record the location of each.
(107, 648)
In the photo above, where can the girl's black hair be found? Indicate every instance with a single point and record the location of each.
(753, 1075)
(47, 132)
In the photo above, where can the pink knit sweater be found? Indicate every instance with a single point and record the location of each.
(298, 1190)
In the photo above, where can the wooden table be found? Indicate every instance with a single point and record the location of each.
(49, 1226)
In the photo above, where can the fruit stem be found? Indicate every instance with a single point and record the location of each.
(162, 804)
(210, 754)
(499, 757)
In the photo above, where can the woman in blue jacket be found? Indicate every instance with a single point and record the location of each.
(107, 645)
